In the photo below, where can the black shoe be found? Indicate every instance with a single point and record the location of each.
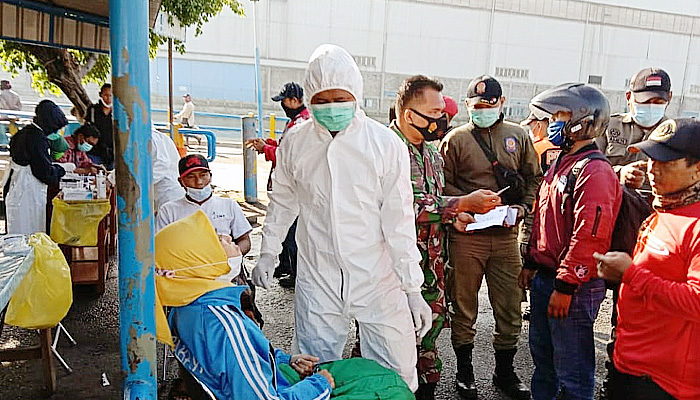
(288, 281)
(426, 391)
(505, 378)
(466, 386)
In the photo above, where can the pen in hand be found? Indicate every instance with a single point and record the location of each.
(502, 190)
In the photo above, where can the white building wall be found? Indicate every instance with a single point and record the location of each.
(553, 41)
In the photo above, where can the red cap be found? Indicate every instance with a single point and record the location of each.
(191, 163)
(451, 107)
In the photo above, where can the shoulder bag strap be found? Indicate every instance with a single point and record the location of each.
(485, 148)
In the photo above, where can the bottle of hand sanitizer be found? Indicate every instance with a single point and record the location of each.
(101, 184)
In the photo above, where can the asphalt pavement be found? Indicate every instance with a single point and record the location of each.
(94, 322)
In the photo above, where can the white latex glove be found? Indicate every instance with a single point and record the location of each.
(421, 312)
(263, 271)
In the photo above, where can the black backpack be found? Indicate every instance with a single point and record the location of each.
(634, 208)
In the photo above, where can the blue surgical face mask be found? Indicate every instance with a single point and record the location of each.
(648, 115)
(555, 132)
(334, 116)
(85, 146)
(485, 117)
(199, 195)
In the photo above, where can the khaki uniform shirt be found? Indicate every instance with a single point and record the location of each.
(622, 132)
(467, 168)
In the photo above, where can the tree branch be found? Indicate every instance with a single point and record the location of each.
(89, 63)
(64, 71)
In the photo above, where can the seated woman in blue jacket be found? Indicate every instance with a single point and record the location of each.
(213, 338)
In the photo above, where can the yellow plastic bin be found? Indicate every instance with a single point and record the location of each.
(76, 222)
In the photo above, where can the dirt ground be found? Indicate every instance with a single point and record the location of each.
(94, 323)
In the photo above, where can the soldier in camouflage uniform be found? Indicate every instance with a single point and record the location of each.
(421, 119)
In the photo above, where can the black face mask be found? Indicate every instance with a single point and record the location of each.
(435, 129)
(292, 112)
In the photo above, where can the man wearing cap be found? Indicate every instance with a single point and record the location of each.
(9, 99)
(656, 354)
(648, 96)
(546, 151)
(291, 98)
(494, 251)
(186, 115)
(225, 214)
(451, 109)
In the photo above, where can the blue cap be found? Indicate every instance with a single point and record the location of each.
(289, 91)
(672, 140)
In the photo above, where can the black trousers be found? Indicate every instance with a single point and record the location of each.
(288, 257)
(630, 387)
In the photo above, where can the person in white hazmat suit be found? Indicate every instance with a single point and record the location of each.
(165, 159)
(348, 178)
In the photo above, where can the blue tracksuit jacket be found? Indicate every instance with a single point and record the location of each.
(230, 356)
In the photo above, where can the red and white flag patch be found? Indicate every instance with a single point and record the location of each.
(653, 80)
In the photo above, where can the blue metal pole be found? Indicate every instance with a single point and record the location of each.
(132, 118)
(257, 80)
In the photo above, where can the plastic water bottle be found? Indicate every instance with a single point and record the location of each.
(101, 184)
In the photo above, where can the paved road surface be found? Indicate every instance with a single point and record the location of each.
(93, 321)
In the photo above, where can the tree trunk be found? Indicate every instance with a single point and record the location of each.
(64, 71)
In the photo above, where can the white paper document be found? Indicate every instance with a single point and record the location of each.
(499, 216)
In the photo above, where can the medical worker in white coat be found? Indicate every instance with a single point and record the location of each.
(165, 159)
(348, 178)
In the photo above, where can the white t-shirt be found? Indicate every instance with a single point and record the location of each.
(225, 215)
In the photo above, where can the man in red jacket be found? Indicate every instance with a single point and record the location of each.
(291, 98)
(574, 217)
(657, 352)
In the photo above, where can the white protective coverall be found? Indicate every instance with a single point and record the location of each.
(165, 159)
(356, 232)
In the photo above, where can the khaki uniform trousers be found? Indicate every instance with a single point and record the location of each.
(495, 253)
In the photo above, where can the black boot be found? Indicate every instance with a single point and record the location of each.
(466, 387)
(426, 391)
(288, 281)
(505, 379)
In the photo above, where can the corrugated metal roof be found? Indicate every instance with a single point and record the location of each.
(75, 24)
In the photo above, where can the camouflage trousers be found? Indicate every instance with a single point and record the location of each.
(433, 291)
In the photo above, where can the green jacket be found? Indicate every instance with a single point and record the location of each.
(359, 379)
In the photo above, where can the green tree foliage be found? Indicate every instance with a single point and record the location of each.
(191, 13)
(57, 70)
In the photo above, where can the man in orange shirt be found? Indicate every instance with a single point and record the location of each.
(546, 151)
